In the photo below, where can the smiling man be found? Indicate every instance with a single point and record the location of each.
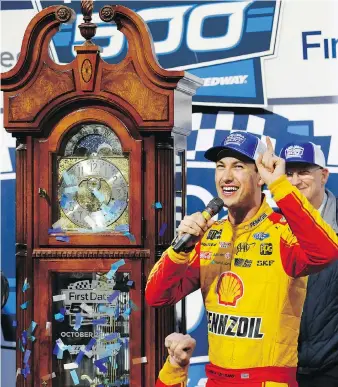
(317, 349)
(254, 291)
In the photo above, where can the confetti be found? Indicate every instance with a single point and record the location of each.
(90, 221)
(88, 353)
(64, 202)
(69, 179)
(59, 297)
(48, 328)
(63, 238)
(24, 337)
(130, 236)
(101, 320)
(114, 268)
(26, 356)
(133, 306)
(14, 323)
(126, 312)
(99, 364)
(72, 189)
(78, 321)
(157, 205)
(59, 317)
(70, 366)
(114, 295)
(122, 228)
(79, 357)
(162, 229)
(74, 377)
(90, 344)
(130, 283)
(111, 336)
(87, 308)
(24, 305)
(18, 372)
(140, 360)
(98, 195)
(56, 230)
(26, 371)
(32, 327)
(25, 286)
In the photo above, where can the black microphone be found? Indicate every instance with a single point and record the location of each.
(213, 208)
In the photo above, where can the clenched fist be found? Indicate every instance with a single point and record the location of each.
(180, 348)
(196, 225)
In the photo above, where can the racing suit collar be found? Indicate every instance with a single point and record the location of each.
(264, 211)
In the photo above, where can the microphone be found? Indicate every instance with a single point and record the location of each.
(213, 208)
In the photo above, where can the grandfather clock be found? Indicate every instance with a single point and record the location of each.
(100, 178)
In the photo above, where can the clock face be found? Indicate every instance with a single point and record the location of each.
(93, 193)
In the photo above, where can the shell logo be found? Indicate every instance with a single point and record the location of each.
(229, 288)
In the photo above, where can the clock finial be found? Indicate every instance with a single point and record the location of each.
(87, 29)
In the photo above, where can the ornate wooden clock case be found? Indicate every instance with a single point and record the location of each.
(97, 145)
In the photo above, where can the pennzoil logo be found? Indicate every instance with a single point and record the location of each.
(258, 220)
(229, 288)
(235, 326)
(214, 234)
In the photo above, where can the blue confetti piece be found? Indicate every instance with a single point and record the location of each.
(130, 283)
(111, 336)
(32, 338)
(32, 327)
(14, 323)
(122, 228)
(114, 268)
(130, 236)
(114, 295)
(78, 321)
(24, 305)
(25, 285)
(64, 202)
(62, 238)
(162, 229)
(79, 357)
(26, 356)
(59, 317)
(60, 354)
(74, 377)
(56, 349)
(157, 205)
(98, 195)
(126, 312)
(24, 337)
(90, 344)
(71, 190)
(56, 230)
(26, 371)
(133, 306)
(99, 364)
(101, 320)
(69, 179)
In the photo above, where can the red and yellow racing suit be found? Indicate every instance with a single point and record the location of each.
(253, 281)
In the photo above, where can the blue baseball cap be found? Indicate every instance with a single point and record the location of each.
(239, 141)
(303, 152)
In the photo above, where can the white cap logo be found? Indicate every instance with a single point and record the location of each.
(294, 151)
(234, 138)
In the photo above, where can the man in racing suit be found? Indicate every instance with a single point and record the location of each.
(250, 267)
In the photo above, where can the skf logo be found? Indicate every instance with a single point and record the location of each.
(265, 263)
(205, 254)
(266, 249)
(235, 326)
(243, 247)
(229, 288)
(260, 236)
(214, 234)
(241, 262)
